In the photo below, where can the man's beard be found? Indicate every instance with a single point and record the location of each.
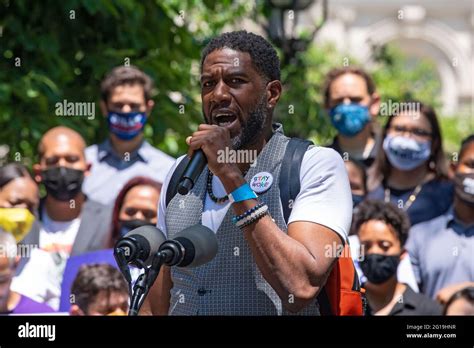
(254, 125)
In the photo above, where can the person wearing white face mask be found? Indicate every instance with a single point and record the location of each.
(410, 170)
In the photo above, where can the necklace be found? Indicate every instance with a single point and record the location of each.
(211, 194)
(215, 199)
(410, 199)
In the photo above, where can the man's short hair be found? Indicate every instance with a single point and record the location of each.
(126, 75)
(386, 212)
(466, 293)
(264, 57)
(337, 72)
(62, 130)
(93, 279)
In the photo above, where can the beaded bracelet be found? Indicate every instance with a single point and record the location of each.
(236, 219)
(251, 216)
(254, 217)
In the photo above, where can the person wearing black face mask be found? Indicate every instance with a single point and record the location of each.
(69, 222)
(62, 169)
(450, 235)
(382, 230)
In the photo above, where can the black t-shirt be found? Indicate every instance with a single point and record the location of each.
(413, 303)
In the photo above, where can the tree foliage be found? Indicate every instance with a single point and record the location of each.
(53, 51)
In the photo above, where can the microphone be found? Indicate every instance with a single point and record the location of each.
(191, 173)
(192, 247)
(140, 245)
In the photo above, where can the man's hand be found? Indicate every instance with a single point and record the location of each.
(211, 139)
(445, 293)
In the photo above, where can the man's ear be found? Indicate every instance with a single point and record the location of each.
(374, 107)
(87, 171)
(274, 89)
(103, 108)
(76, 311)
(149, 106)
(404, 254)
(37, 172)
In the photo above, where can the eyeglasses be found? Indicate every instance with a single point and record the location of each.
(417, 132)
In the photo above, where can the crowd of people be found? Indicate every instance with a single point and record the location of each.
(410, 222)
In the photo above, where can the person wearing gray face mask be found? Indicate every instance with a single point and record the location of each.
(441, 249)
(411, 170)
(382, 229)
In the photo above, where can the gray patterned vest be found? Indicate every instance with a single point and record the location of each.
(231, 284)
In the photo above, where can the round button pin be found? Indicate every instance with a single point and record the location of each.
(261, 182)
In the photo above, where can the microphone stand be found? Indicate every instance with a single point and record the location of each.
(145, 282)
(121, 260)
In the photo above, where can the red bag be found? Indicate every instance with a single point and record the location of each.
(342, 294)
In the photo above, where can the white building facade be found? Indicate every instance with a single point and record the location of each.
(439, 30)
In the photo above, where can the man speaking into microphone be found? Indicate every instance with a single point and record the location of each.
(264, 266)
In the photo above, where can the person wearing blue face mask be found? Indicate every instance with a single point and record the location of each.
(126, 103)
(410, 170)
(352, 103)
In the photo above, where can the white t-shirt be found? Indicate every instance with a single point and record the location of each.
(58, 236)
(46, 265)
(324, 198)
(41, 278)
